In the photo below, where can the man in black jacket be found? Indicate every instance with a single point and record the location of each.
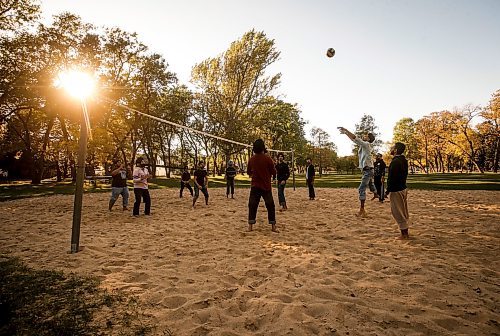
(230, 175)
(396, 188)
(379, 176)
(185, 178)
(310, 174)
(282, 175)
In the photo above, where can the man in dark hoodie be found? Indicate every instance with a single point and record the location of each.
(282, 175)
(230, 175)
(310, 175)
(379, 176)
(396, 188)
(185, 178)
(261, 170)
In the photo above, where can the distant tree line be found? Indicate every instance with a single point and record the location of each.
(465, 139)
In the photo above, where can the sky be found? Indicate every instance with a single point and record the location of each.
(394, 59)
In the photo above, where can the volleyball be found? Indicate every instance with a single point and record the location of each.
(330, 52)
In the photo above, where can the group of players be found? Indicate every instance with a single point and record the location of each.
(262, 170)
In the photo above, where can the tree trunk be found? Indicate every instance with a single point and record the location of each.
(496, 157)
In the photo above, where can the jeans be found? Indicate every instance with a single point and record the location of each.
(186, 185)
(310, 185)
(204, 191)
(281, 193)
(366, 181)
(253, 204)
(116, 192)
(144, 194)
(230, 186)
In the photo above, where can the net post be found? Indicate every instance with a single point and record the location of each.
(293, 170)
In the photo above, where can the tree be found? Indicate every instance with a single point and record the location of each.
(405, 132)
(367, 125)
(234, 87)
(15, 13)
(490, 130)
(323, 148)
(460, 132)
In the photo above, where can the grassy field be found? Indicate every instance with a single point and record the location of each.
(21, 189)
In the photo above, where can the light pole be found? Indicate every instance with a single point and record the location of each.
(79, 85)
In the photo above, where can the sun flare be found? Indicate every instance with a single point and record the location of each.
(78, 83)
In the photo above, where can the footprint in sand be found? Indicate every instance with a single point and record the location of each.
(173, 302)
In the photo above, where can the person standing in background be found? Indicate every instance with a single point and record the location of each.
(141, 176)
(230, 175)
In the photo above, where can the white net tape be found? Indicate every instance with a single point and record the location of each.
(186, 127)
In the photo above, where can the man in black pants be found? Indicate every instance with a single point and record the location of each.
(230, 175)
(141, 175)
(282, 175)
(185, 178)
(310, 174)
(379, 176)
(200, 183)
(261, 170)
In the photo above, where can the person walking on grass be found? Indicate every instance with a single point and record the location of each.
(230, 175)
(119, 184)
(200, 183)
(365, 164)
(310, 176)
(379, 176)
(397, 190)
(261, 169)
(141, 175)
(282, 175)
(185, 179)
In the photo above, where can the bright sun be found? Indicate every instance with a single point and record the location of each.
(78, 83)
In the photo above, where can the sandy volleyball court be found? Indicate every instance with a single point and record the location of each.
(326, 273)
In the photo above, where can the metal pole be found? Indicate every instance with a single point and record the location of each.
(80, 174)
(293, 171)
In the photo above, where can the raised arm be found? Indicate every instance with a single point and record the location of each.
(346, 132)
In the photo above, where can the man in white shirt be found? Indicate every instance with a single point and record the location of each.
(365, 164)
(140, 176)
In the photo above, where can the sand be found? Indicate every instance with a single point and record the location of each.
(326, 273)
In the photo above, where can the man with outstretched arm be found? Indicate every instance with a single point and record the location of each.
(365, 164)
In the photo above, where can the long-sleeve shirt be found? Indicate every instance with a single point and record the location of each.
(364, 153)
(310, 173)
(380, 167)
(140, 179)
(282, 171)
(398, 172)
(261, 169)
(230, 172)
(186, 177)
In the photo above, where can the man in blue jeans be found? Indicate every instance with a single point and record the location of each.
(119, 184)
(365, 164)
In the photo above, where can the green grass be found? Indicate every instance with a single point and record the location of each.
(488, 181)
(46, 302)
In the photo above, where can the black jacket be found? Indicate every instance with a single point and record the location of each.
(282, 171)
(398, 172)
(230, 172)
(310, 172)
(380, 167)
